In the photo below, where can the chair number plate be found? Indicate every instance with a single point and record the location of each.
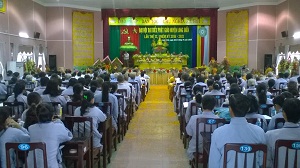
(211, 121)
(24, 147)
(296, 145)
(245, 148)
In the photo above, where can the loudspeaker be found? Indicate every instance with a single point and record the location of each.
(268, 61)
(52, 62)
(284, 34)
(36, 35)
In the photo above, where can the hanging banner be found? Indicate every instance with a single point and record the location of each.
(159, 21)
(237, 37)
(3, 6)
(83, 38)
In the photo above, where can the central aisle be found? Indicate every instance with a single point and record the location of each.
(152, 140)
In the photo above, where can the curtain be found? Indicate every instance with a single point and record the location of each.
(114, 42)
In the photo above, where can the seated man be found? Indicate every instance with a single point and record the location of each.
(238, 131)
(290, 130)
(208, 104)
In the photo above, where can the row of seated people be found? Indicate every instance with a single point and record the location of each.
(240, 130)
(52, 93)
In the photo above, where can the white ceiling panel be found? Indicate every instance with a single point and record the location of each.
(155, 4)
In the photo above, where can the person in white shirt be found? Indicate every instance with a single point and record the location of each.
(105, 96)
(290, 131)
(19, 96)
(208, 104)
(123, 85)
(69, 90)
(40, 89)
(278, 103)
(280, 82)
(52, 93)
(197, 91)
(88, 109)
(51, 132)
(251, 87)
(252, 113)
(29, 115)
(238, 131)
(261, 93)
(10, 131)
(200, 82)
(216, 89)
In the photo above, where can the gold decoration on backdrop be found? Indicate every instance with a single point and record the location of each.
(237, 26)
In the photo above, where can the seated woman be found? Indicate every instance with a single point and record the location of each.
(78, 92)
(278, 103)
(292, 87)
(29, 115)
(51, 132)
(52, 93)
(105, 96)
(216, 87)
(197, 91)
(88, 109)
(69, 90)
(10, 131)
(19, 96)
(94, 86)
(114, 88)
(252, 113)
(234, 89)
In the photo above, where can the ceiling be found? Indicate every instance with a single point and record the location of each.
(155, 4)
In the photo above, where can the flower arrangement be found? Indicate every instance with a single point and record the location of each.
(29, 66)
(295, 67)
(225, 64)
(284, 65)
(268, 70)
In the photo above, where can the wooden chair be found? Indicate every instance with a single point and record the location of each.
(209, 125)
(278, 122)
(121, 117)
(106, 129)
(137, 89)
(10, 89)
(22, 149)
(71, 106)
(291, 153)
(106, 108)
(251, 92)
(245, 149)
(128, 104)
(29, 86)
(265, 109)
(17, 108)
(81, 127)
(251, 120)
(275, 92)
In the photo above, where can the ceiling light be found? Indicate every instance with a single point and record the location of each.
(296, 35)
(23, 34)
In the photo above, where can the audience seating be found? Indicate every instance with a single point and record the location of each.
(291, 154)
(265, 109)
(71, 106)
(21, 150)
(17, 108)
(209, 125)
(247, 151)
(106, 129)
(121, 117)
(220, 99)
(30, 86)
(81, 127)
(10, 89)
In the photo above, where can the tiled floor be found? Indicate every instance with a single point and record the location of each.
(152, 140)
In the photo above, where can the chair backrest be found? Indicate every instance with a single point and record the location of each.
(17, 108)
(251, 120)
(105, 107)
(10, 89)
(220, 99)
(79, 126)
(22, 149)
(291, 154)
(282, 85)
(71, 106)
(211, 124)
(279, 122)
(243, 152)
(265, 109)
(194, 108)
(251, 92)
(56, 106)
(123, 92)
(30, 86)
(121, 104)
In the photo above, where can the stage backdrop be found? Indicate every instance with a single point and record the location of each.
(237, 37)
(83, 38)
(187, 35)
